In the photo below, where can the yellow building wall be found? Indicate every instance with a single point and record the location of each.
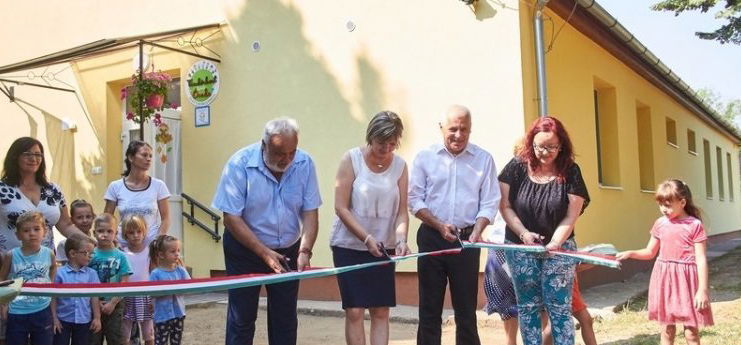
(623, 215)
(333, 80)
(413, 57)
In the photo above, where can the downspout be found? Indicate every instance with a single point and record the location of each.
(540, 58)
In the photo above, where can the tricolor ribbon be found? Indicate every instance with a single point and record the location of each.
(201, 285)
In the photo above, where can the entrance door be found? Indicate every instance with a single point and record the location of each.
(167, 163)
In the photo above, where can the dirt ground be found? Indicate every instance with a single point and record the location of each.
(205, 325)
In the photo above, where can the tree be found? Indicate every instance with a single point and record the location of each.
(730, 111)
(730, 32)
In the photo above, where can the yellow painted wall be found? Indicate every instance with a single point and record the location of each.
(413, 57)
(624, 215)
(333, 80)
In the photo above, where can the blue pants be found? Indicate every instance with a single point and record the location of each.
(541, 281)
(78, 333)
(38, 327)
(243, 303)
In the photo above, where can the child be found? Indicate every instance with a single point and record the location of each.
(75, 317)
(112, 267)
(29, 317)
(678, 292)
(82, 216)
(138, 309)
(169, 311)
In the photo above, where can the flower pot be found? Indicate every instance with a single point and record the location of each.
(155, 101)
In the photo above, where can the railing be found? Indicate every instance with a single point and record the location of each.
(193, 221)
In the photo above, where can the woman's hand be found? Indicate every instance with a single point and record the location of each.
(402, 248)
(372, 246)
(552, 246)
(528, 237)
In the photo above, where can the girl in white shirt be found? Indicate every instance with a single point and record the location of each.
(139, 308)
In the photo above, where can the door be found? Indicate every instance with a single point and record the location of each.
(166, 163)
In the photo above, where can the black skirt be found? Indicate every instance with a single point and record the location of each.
(364, 288)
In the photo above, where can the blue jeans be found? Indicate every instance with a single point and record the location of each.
(38, 327)
(79, 333)
(544, 281)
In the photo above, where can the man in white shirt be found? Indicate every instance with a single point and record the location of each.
(453, 189)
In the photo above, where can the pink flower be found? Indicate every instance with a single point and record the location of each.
(174, 106)
(157, 121)
(124, 93)
(129, 116)
(157, 116)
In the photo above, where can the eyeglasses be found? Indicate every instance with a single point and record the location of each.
(32, 156)
(550, 149)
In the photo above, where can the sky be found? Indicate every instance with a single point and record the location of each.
(700, 63)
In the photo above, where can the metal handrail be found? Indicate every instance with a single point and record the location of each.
(193, 221)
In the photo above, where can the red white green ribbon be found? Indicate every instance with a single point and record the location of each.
(201, 285)
(585, 257)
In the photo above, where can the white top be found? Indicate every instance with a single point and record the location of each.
(457, 189)
(142, 202)
(139, 263)
(374, 202)
(13, 203)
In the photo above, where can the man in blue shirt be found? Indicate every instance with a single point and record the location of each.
(267, 191)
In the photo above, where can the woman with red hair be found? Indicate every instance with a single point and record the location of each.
(543, 194)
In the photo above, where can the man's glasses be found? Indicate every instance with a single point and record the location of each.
(550, 149)
(32, 156)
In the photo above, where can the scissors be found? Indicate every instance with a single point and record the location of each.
(458, 236)
(382, 248)
(284, 263)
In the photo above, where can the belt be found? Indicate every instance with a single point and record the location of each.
(464, 231)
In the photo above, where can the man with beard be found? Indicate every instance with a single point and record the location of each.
(267, 191)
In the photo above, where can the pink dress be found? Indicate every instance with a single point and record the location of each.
(674, 280)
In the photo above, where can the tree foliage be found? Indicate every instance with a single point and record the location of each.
(727, 33)
(730, 111)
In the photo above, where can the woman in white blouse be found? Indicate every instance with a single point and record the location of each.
(140, 194)
(370, 200)
(24, 187)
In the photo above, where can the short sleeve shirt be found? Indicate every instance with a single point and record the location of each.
(541, 206)
(14, 203)
(171, 306)
(271, 208)
(75, 309)
(678, 238)
(141, 202)
(110, 264)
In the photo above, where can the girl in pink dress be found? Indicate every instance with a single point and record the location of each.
(678, 292)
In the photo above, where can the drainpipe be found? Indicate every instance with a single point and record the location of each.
(540, 58)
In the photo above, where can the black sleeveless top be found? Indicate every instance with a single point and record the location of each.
(541, 206)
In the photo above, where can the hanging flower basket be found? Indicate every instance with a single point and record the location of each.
(152, 89)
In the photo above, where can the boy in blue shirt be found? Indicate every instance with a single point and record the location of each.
(112, 267)
(75, 317)
(29, 317)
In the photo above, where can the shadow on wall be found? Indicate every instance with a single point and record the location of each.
(287, 77)
(60, 146)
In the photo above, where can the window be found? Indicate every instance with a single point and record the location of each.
(605, 117)
(645, 147)
(708, 169)
(730, 176)
(671, 132)
(719, 162)
(691, 142)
